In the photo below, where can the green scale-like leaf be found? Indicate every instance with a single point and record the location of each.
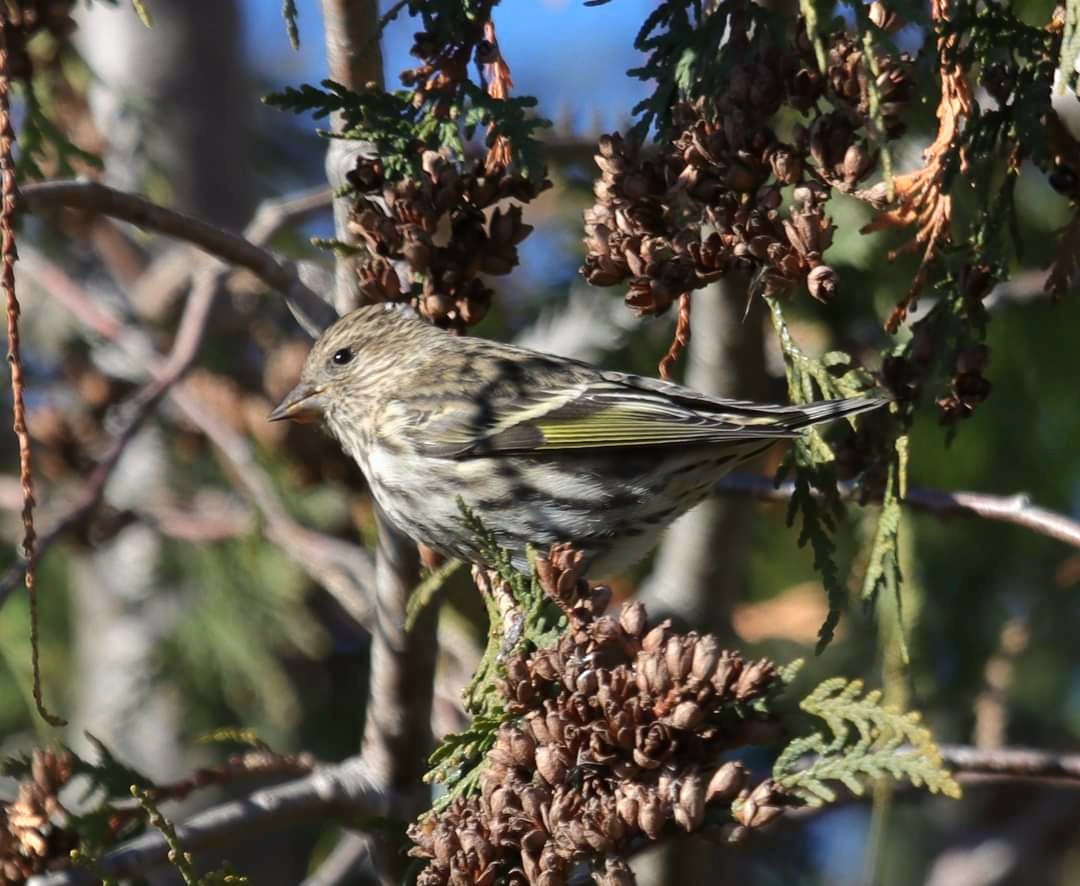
(866, 740)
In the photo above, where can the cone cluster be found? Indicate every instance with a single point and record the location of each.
(429, 238)
(28, 838)
(712, 202)
(616, 735)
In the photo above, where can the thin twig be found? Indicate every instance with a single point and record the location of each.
(166, 277)
(166, 373)
(7, 281)
(345, 791)
(60, 286)
(1017, 509)
(276, 213)
(344, 569)
(310, 310)
(344, 863)
(199, 525)
(681, 338)
(249, 763)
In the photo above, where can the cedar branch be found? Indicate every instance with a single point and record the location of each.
(1016, 509)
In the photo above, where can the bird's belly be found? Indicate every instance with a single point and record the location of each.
(417, 496)
(613, 506)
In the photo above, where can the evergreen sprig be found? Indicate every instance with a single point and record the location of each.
(106, 773)
(685, 56)
(815, 498)
(386, 119)
(180, 859)
(535, 624)
(883, 568)
(867, 740)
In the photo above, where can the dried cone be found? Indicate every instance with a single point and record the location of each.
(398, 222)
(712, 203)
(29, 840)
(613, 735)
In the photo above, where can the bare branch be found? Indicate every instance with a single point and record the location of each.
(354, 56)
(353, 50)
(166, 277)
(166, 373)
(344, 569)
(349, 790)
(397, 728)
(344, 791)
(278, 213)
(1012, 764)
(1017, 509)
(60, 286)
(1029, 839)
(311, 312)
(199, 525)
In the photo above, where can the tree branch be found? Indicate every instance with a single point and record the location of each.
(348, 790)
(353, 47)
(397, 729)
(168, 274)
(1012, 764)
(342, 866)
(277, 213)
(166, 373)
(344, 791)
(1017, 509)
(311, 312)
(345, 570)
(354, 57)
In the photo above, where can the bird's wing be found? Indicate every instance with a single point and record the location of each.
(614, 410)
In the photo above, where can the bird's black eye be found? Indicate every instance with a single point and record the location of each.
(342, 357)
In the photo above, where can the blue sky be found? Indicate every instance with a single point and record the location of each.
(572, 57)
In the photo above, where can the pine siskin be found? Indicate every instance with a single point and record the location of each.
(543, 449)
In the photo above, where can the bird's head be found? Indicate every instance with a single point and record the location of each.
(354, 358)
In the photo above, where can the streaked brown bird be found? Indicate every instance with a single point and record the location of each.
(543, 449)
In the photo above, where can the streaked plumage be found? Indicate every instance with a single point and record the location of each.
(544, 449)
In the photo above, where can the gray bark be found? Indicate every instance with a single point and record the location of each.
(698, 569)
(698, 573)
(175, 105)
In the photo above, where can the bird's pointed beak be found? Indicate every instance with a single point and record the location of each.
(302, 404)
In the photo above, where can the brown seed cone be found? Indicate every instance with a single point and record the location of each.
(616, 733)
(764, 804)
(29, 840)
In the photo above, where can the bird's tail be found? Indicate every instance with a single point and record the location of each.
(809, 414)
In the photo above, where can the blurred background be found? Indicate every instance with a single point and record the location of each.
(189, 602)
